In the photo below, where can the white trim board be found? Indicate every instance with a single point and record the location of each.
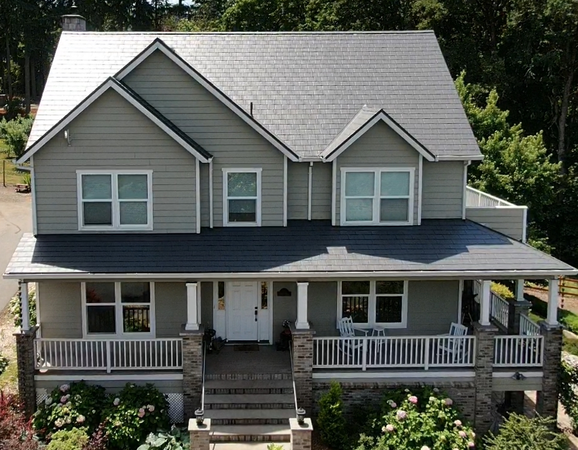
(111, 377)
(159, 45)
(417, 374)
(113, 84)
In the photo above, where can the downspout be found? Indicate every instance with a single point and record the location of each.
(211, 193)
(419, 188)
(285, 191)
(198, 196)
(464, 193)
(309, 191)
(333, 193)
(33, 191)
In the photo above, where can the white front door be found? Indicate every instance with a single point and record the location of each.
(242, 310)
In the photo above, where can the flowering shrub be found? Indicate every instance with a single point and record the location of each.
(16, 432)
(417, 421)
(70, 406)
(133, 414)
(74, 439)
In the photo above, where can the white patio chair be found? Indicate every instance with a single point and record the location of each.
(347, 330)
(453, 347)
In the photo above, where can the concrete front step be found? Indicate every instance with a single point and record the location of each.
(250, 433)
(248, 376)
(247, 445)
(238, 387)
(250, 416)
(249, 401)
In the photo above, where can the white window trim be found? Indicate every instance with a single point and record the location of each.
(372, 305)
(376, 195)
(117, 314)
(116, 226)
(226, 222)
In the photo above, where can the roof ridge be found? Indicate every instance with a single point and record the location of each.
(221, 33)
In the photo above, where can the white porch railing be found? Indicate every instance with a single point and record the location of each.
(478, 199)
(393, 352)
(109, 355)
(528, 327)
(499, 309)
(518, 351)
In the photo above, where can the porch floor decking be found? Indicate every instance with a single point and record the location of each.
(267, 360)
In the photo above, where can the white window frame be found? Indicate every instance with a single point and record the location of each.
(117, 313)
(377, 195)
(226, 172)
(116, 225)
(372, 303)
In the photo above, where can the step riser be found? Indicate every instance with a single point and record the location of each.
(249, 376)
(251, 438)
(242, 391)
(268, 421)
(209, 406)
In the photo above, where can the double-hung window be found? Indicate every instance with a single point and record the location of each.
(118, 308)
(377, 196)
(115, 200)
(242, 197)
(379, 302)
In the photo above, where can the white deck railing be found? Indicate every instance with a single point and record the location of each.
(528, 327)
(499, 309)
(518, 351)
(393, 352)
(109, 355)
(479, 199)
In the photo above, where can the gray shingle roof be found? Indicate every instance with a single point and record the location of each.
(436, 248)
(305, 87)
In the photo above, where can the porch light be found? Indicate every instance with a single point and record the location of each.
(200, 416)
(300, 416)
(284, 292)
(518, 376)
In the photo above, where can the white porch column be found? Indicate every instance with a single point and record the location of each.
(25, 325)
(485, 303)
(519, 290)
(302, 323)
(553, 288)
(193, 307)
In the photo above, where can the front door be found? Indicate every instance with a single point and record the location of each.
(242, 310)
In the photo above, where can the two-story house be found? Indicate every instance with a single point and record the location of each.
(233, 181)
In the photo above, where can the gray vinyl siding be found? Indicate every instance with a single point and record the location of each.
(321, 195)
(170, 308)
(379, 147)
(60, 309)
(113, 135)
(207, 304)
(432, 306)
(232, 142)
(297, 190)
(509, 221)
(442, 190)
(284, 308)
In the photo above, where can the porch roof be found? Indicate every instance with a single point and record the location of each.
(436, 249)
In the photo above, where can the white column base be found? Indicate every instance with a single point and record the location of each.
(192, 327)
(302, 325)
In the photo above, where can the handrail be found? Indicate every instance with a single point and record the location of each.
(293, 380)
(490, 201)
(203, 382)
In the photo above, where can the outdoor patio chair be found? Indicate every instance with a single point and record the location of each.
(453, 347)
(347, 330)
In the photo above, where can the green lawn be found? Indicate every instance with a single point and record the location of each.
(12, 175)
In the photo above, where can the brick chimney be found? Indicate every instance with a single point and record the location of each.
(73, 21)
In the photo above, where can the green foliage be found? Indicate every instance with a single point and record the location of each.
(133, 414)
(565, 317)
(417, 420)
(73, 439)
(16, 310)
(520, 432)
(502, 291)
(275, 447)
(567, 381)
(570, 345)
(176, 439)
(15, 133)
(26, 178)
(3, 363)
(70, 406)
(330, 420)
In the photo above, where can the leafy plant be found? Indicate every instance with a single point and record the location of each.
(408, 421)
(15, 132)
(176, 439)
(70, 406)
(16, 433)
(26, 178)
(503, 291)
(275, 447)
(3, 363)
(520, 432)
(73, 439)
(567, 380)
(330, 420)
(133, 414)
(98, 440)
(16, 309)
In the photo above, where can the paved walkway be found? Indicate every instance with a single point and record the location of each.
(15, 219)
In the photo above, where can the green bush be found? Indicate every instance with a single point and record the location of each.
(133, 414)
(503, 291)
(70, 406)
(16, 310)
(330, 420)
(520, 432)
(15, 133)
(3, 363)
(176, 439)
(73, 439)
(567, 379)
(408, 421)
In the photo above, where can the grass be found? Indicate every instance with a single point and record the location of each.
(9, 379)
(570, 345)
(13, 176)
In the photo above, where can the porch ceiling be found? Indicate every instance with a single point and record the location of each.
(436, 249)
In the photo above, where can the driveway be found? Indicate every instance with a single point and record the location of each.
(15, 219)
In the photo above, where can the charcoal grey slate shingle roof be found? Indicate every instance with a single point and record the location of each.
(436, 248)
(305, 87)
